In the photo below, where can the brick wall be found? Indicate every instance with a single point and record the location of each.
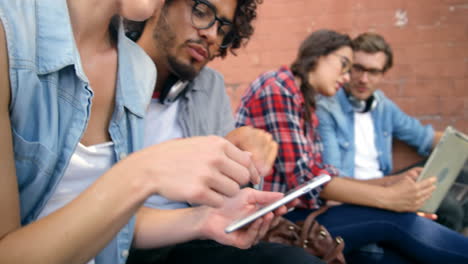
(430, 40)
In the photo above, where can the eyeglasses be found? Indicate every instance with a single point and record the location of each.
(345, 63)
(359, 70)
(204, 16)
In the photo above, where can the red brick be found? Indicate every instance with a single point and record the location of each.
(462, 125)
(428, 88)
(461, 88)
(419, 106)
(430, 76)
(455, 68)
(452, 106)
(420, 52)
(372, 5)
(427, 34)
(391, 89)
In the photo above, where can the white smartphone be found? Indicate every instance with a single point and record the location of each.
(288, 197)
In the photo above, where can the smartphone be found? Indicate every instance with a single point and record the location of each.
(288, 197)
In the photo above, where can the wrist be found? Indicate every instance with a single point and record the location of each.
(137, 178)
(384, 198)
(202, 226)
(388, 180)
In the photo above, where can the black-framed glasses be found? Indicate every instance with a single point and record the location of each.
(371, 72)
(345, 63)
(204, 16)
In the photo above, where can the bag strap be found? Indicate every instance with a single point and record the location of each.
(307, 227)
(309, 221)
(337, 250)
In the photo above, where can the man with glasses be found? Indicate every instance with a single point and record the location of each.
(358, 125)
(190, 100)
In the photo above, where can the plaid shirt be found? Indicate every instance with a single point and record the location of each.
(274, 103)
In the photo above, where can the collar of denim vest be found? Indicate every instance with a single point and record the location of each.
(57, 49)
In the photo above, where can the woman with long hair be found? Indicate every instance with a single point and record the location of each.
(282, 102)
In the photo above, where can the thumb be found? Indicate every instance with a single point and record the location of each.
(262, 197)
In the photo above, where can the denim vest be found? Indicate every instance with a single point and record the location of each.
(51, 101)
(336, 128)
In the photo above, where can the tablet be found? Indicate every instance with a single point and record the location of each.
(288, 197)
(445, 162)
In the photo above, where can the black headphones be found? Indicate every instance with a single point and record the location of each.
(362, 106)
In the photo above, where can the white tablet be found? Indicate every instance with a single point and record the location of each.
(445, 162)
(288, 197)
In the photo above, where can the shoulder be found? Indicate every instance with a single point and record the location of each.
(208, 91)
(209, 84)
(280, 82)
(4, 72)
(383, 100)
(208, 79)
(275, 86)
(380, 95)
(329, 103)
(19, 23)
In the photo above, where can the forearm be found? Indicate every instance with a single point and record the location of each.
(355, 192)
(78, 231)
(157, 228)
(383, 181)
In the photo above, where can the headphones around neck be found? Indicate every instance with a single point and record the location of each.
(362, 106)
(172, 90)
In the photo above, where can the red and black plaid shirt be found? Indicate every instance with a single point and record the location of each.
(274, 103)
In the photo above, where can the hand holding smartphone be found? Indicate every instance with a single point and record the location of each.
(289, 196)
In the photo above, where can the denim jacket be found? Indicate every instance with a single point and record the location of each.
(51, 101)
(336, 128)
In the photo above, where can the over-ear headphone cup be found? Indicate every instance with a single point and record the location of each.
(363, 106)
(358, 105)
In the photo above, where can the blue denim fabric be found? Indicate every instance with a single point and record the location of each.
(411, 237)
(51, 99)
(336, 129)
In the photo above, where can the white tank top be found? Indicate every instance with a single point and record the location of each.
(86, 165)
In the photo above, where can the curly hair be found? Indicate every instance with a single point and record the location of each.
(245, 14)
(318, 44)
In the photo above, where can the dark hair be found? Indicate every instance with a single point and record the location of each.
(319, 43)
(246, 12)
(373, 43)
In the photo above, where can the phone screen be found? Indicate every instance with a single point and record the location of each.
(289, 196)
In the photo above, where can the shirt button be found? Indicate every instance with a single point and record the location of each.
(385, 133)
(122, 155)
(125, 253)
(346, 144)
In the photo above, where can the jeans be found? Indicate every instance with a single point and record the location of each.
(210, 252)
(407, 236)
(451, 212)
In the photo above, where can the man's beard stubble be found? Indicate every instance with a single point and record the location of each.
(165, 37)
